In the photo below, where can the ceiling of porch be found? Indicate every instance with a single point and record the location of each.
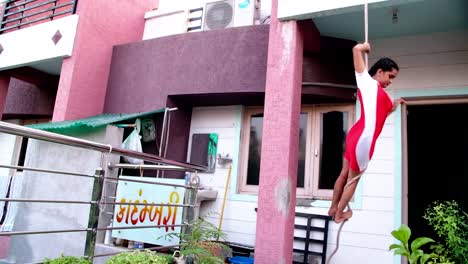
(413, 18)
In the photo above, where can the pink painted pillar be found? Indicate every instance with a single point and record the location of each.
(4, 83)
(278, 171)
(83, 78)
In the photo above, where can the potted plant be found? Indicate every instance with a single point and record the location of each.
(201, 245)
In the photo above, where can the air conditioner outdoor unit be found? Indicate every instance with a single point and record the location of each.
(228, 13)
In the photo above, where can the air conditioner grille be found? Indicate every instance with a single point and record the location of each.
(219, 15)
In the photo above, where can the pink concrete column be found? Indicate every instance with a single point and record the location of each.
(4, 83)
(278, 171)
(83, 78)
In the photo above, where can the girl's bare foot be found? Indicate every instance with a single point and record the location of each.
(332, 211)
(343, 216)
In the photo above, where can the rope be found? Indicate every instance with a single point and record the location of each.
(366, 37)
(355, 179)
(366, 31)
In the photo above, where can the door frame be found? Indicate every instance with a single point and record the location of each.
(413, 97)
(411, 101)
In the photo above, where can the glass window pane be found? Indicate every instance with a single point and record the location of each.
(332, 139)
(302, 150)
(255, 147)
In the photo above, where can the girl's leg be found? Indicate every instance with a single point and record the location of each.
(348, 193)
(338, 189)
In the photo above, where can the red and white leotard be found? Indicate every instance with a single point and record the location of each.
(375, 107)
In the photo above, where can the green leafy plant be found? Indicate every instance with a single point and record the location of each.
(201, 243)
(451, 225)
(442, 255)
(413, 253)
(140, 257)
(67, 260)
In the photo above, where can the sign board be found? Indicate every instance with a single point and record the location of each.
(302, 9)
(146, 215)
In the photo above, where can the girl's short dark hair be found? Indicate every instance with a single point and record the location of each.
(385, 64)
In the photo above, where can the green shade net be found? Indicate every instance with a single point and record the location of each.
(81, 125)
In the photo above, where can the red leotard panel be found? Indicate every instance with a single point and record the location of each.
(375, 107)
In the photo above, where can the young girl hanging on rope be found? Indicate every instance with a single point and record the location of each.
(376, 105)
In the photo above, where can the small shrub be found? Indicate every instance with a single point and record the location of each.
(140, 257)
(67, 260)
(451, 225)
(201, 243)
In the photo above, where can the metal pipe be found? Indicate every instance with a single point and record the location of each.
(167, 137)
(19, 200)
(136, 227)
(18, 4)
(329, 85)
(20, 233)
(36, 6)
(163, 130)
(35, 20)
(93, 216)
(124, 166)
(161, 141)
(74, 6)
(144, 167)
(45, 170)
(151, 204)
(76, 142)
(154, 183)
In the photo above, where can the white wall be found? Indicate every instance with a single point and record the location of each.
(171, 17)
(366, 238)
(239, 217)
(47, 216)
(160, 23)
(8, 156)
(436, 61)
(34, 44)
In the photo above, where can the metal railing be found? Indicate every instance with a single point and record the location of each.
(20, 13)
(99, 179)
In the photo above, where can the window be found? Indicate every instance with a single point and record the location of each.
(321, 146)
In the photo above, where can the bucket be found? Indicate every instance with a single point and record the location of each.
(241, 260)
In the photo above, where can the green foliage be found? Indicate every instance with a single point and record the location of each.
(67, 260)
(442, 255)
(200, 242)
(414, 253)
(140, 257)
(451, 225)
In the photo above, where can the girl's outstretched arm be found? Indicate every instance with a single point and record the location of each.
(358, 50)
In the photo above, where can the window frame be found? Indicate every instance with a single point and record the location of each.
(317, 193)
(312, 161)
(243, 187)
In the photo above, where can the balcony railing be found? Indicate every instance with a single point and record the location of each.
(100, 180)
(19, 14)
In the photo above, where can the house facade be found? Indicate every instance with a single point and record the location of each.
(279, 92)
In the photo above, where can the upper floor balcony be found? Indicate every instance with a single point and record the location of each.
(18, 14)
(34, 32)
